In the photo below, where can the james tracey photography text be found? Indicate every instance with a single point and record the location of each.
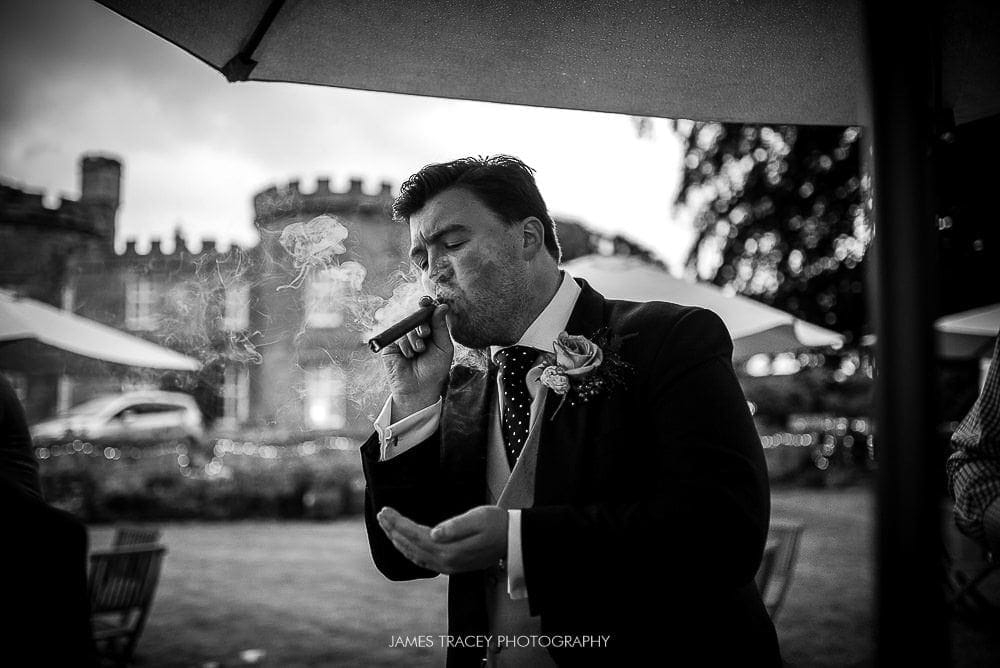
(499, 641)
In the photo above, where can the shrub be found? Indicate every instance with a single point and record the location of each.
(165, 483)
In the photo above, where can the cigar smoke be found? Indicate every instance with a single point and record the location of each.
(318, 253)
(315, 244)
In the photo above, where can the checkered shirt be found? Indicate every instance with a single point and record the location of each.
(974, 466)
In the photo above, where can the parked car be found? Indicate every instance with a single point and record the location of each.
(129, 418)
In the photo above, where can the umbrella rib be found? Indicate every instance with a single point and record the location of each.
(242, 64)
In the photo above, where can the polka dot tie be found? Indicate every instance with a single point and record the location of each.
(514, 363)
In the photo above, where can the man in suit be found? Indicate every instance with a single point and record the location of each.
(621, 521)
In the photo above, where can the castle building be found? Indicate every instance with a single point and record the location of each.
(272, 357)
(39, 246)
(271, 324)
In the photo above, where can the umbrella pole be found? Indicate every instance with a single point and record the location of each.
(239, 67)
(911, 622)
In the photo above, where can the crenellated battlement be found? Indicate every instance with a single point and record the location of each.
(277, 202)
(180, 250)
(26, 207)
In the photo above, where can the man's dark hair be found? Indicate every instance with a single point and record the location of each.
(503, 184)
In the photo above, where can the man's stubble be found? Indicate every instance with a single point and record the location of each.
(494, 311)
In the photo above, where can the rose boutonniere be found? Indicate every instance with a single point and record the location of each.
(580, 368)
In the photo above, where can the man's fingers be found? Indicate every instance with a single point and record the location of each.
(391, 350)
(413, 549)
(460, 526)
(416, 342)
(415, 533)
(405, 348)
(412, 552)
(442, 338)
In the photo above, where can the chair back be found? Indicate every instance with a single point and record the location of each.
(778, 566)
(125, 578)
(127, 536)
(763, 575)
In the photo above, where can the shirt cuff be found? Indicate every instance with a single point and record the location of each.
(400, 436)
(516, 587)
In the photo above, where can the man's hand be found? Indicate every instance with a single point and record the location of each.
(418, 365)
(473, 540)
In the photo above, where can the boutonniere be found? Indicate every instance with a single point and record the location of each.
(580, 369)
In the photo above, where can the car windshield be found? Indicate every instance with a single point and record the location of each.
(92, 407)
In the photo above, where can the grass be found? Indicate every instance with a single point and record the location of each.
(827, 617)
(307, 594)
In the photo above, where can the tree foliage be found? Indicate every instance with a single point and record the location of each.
(780, 217)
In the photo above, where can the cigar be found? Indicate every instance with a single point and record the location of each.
(392, 334)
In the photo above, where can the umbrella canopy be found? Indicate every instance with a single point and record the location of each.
(37, 337)
(755, 327)
(969, 334)
(771, 61)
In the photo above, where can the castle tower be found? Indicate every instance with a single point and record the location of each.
(100, 192)
(296, 383)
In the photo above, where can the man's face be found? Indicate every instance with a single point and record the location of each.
(473, 261)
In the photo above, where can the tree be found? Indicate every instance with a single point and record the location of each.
(780, 217)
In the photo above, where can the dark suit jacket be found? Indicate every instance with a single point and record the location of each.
(43, 558)
(17, 458)
(651, 501)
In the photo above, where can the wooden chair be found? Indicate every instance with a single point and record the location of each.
(969, 572)
(766, 564)
(778, 564)
(121, 584)
(129, 536)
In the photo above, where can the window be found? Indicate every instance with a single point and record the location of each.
(326, 401)
(322, 300)
(237, 313)
(140, 303)
(235, 395)
(150, 410)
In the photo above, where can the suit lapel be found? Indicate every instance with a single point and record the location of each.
(565, 427)
(464, 425)
(468, 408)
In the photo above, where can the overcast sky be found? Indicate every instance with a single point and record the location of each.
(76, 78)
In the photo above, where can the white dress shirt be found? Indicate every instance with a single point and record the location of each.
(398, 437)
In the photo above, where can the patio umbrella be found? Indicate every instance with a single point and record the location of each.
(969, 334)
(755, 327)
(36, 337)
(768, 61)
